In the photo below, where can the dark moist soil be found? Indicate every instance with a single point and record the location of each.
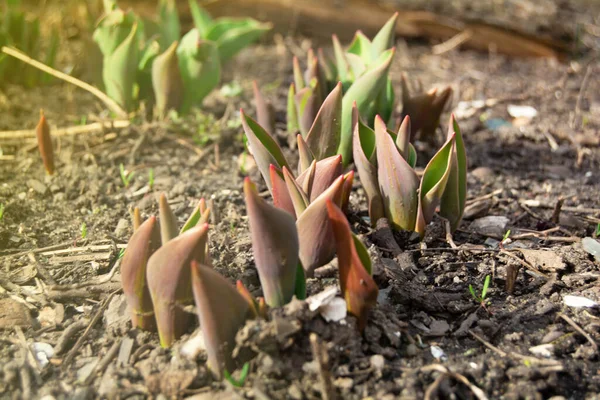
(426, 338)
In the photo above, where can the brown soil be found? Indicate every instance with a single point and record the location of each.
(55, 286)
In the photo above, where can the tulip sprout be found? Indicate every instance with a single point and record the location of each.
(155, 269)
(385, 162)
(44, 140)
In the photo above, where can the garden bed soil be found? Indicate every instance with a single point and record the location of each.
(426, 338)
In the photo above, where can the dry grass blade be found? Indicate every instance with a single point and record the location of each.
(110, 103)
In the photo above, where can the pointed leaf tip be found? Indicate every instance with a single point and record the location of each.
(168, 221)
(222, 311)
(398, 182)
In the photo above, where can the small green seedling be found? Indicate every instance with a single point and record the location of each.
(481, 299)
(505, 239)
(597, 234)
(121, 254)
(151, 178)
(243, 375)
(1, 211)
(231, 89)
(83, 230)
(126, 176)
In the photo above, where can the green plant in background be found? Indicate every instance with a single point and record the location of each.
(22, 30)
(481, 300)
(597, 233)
(358, 75)
(149, 61)
(126, 176)
(304, 196)
(1, 211)
(83, 230)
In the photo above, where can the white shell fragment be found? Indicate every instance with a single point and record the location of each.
(543, 350)
(516, 111)
(335, 310)
(438, 353)
(329, 306)
(578, 302)
(194, 346)
(591, 246)
(43, 352)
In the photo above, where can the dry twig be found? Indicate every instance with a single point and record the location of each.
(321, 358)
(446, 373)
(579, 330)
(502, 353)
(69, 358)
(110, 103)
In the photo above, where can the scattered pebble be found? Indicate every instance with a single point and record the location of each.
(37, 186)
(492, 225)
(122, 228)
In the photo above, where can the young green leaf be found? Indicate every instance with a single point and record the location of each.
(198, 217)
(120, 69)
(453, 201)
(323, 138)
(486, 285)
(166, 81)
(202, 20)
(362, 91)
(433, 184)
(243, 375)
(234, 34)
(168, 22)
(263, 147)
(200, 68)
(384, 38)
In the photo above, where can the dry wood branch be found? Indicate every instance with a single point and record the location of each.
(446, 373)
(89, 292)
(523, 263)
(321, 358)
(92, 128)
(110, 103)
(101, 366)
(452, 43)
(532, 360)
(579, 330)
(69, 358)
